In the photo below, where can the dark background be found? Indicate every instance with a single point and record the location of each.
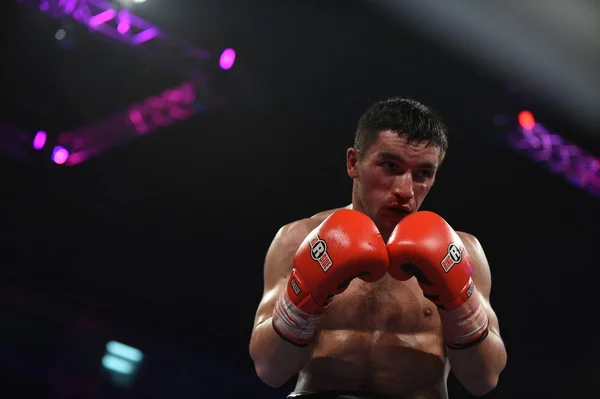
(159, 242)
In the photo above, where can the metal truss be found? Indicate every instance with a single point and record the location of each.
(119, 24)
(158, 111)
(558, 155)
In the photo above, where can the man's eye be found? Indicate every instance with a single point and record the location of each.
(388, 165)
(425, 174)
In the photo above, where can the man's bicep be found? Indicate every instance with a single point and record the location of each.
(482, 276)
(278, 266)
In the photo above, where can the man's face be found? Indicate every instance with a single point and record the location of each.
(392, 179)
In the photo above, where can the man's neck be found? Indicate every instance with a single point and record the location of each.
(357, 206)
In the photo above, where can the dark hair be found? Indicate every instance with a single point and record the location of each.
(408, 118)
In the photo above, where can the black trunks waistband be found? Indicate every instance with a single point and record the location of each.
(339, 395)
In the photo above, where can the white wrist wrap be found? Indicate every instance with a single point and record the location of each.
(466, 325)
(292, 323)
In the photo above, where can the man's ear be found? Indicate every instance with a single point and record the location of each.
(352, 162)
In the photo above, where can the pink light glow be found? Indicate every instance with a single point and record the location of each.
(76, 158)
(60, 155)
(227, 59)
(69, 6)
(102, 18)
(136, 117)
(40, 140)
(164, 109)
(144, 36)
(123, 26)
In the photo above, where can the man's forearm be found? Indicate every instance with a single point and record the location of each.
(478, 367)
(275, 359)
(475, 350)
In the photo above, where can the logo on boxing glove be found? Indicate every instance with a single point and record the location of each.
(453, 257)
(471, 290)
(318, 251)
(295, 287)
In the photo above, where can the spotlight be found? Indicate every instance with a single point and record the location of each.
(227, 59)
(526, 120)
(39, 140)
(60, 155)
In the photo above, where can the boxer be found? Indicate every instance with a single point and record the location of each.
(379, 299)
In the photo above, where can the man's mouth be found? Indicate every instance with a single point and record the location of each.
(400, 211)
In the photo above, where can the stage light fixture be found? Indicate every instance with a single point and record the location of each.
(60, 155)
(39, 141)
(227, 59)
(121, 362)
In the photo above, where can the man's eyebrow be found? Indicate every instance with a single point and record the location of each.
(394, 157)
(391, 156)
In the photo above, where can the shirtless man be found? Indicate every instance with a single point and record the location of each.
(378, 299)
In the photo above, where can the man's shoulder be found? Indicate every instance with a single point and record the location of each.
(319, 217)
(299, 229)
(475, 250)
(469, 240)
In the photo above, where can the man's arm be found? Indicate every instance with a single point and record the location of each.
(275, 359)
(425, 246)
(478, 367)
(308, 264)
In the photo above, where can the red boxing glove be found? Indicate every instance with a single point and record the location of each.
(425, 246)
(344, 246)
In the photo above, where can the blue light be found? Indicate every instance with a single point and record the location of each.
(124, 351)
(117, 365)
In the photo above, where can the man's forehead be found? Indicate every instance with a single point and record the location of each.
(389, 137)
(394, 146)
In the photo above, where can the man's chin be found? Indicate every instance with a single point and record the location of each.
(388, 223)
(394, 216)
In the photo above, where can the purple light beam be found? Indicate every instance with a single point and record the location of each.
(139, 119)
(561, 157)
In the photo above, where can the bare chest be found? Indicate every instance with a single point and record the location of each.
(387, 305)
(380, 337)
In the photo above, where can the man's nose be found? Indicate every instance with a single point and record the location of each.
(403, 187)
